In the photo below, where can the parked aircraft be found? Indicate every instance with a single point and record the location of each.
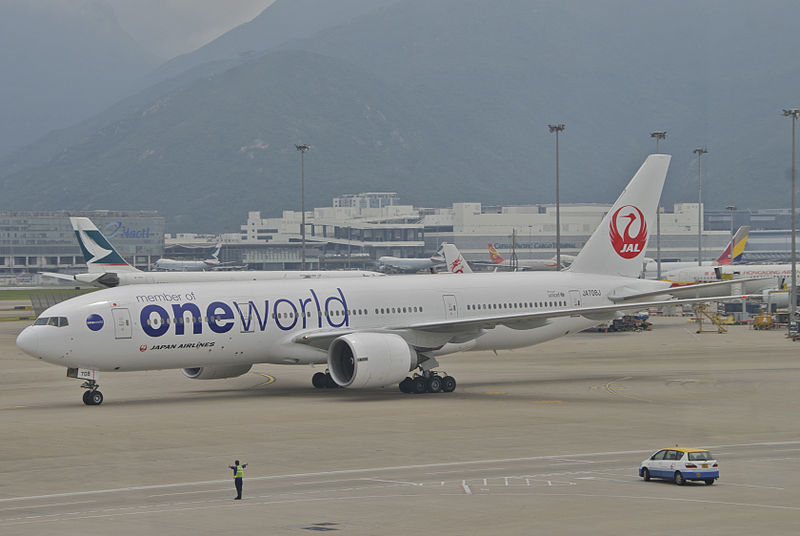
(410, 264)
(453, 259)
(529, 264)
(107, 268)
(174, 265)
(732, 254)
(371, 332)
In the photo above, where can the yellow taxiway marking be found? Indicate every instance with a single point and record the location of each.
(270, 379)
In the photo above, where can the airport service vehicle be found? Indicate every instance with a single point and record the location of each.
(371, 332)
(679, 465)
(107, 268)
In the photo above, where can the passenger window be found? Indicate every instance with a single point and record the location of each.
(659, 455)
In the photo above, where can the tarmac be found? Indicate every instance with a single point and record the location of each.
(542, 440)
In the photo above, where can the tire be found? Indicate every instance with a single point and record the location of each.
(319, 380)
(679, 480)
(96, 398)
(448, 384)
(646, 474)
(406, 385)
(329, 382)
(709, 481)
(434, 384)
(86, 398)
(420, 385)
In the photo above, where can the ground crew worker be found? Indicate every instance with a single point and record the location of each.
(238, 474)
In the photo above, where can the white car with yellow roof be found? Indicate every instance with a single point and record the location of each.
(680, 464)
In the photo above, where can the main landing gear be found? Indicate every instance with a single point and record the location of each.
(92, 397)
(428, 382)
(323, 380)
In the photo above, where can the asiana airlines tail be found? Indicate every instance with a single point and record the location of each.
(371, 332)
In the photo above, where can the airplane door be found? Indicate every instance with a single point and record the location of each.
(575, 298)
(450, 306)
(122, 323)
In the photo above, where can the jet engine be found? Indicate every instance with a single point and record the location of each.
(216, 372)
(360, 360)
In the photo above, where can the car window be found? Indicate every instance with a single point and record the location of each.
(672, 455)
(658, 455)
(699, 456)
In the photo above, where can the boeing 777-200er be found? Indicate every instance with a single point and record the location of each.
(371, 332)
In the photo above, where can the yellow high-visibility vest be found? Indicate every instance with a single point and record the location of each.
(239, 471)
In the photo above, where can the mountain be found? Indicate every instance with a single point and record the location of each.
(281, 21)
(61, 62)
(444, 101)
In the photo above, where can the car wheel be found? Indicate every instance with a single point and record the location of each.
(679, 480)
(646, 474)
(709, 481)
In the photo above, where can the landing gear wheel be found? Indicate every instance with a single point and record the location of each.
(646, 474)
(319, 380)
(329, 383)
(448, 384)
(92, 398)
(407, 385)
(434, 384)
(420, 385)
(679, 480)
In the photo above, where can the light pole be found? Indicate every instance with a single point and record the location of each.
(700, 152)
(793, 113)
(557, 128)
(731, 208)
(302, 148)
(658, 135)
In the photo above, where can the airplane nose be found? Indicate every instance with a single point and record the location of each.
(28, 342)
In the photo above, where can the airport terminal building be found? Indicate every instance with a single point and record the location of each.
(358, 229)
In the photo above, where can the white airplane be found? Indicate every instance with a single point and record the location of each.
(732, 254)
(174, 265)
(371, 332)
(107, 268)
(410, 264)
(529, 264)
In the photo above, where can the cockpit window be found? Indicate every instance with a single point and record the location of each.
(57, 321)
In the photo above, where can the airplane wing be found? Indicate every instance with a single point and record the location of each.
(463, 329)
(61, 277)
(694, 290)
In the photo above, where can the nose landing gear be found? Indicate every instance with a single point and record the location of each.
(92, 397)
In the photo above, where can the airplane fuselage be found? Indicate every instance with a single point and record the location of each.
(195, 324)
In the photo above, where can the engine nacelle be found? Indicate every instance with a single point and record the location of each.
(216, 372)
(363, 360)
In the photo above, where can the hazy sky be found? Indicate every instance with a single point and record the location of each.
(168, 28)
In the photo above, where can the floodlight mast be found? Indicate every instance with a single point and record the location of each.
(658, 135)
(700, 152)
(557, 128)
(793, 113)
(302, 148)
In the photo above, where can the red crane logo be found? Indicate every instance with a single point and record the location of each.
(626, 244)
